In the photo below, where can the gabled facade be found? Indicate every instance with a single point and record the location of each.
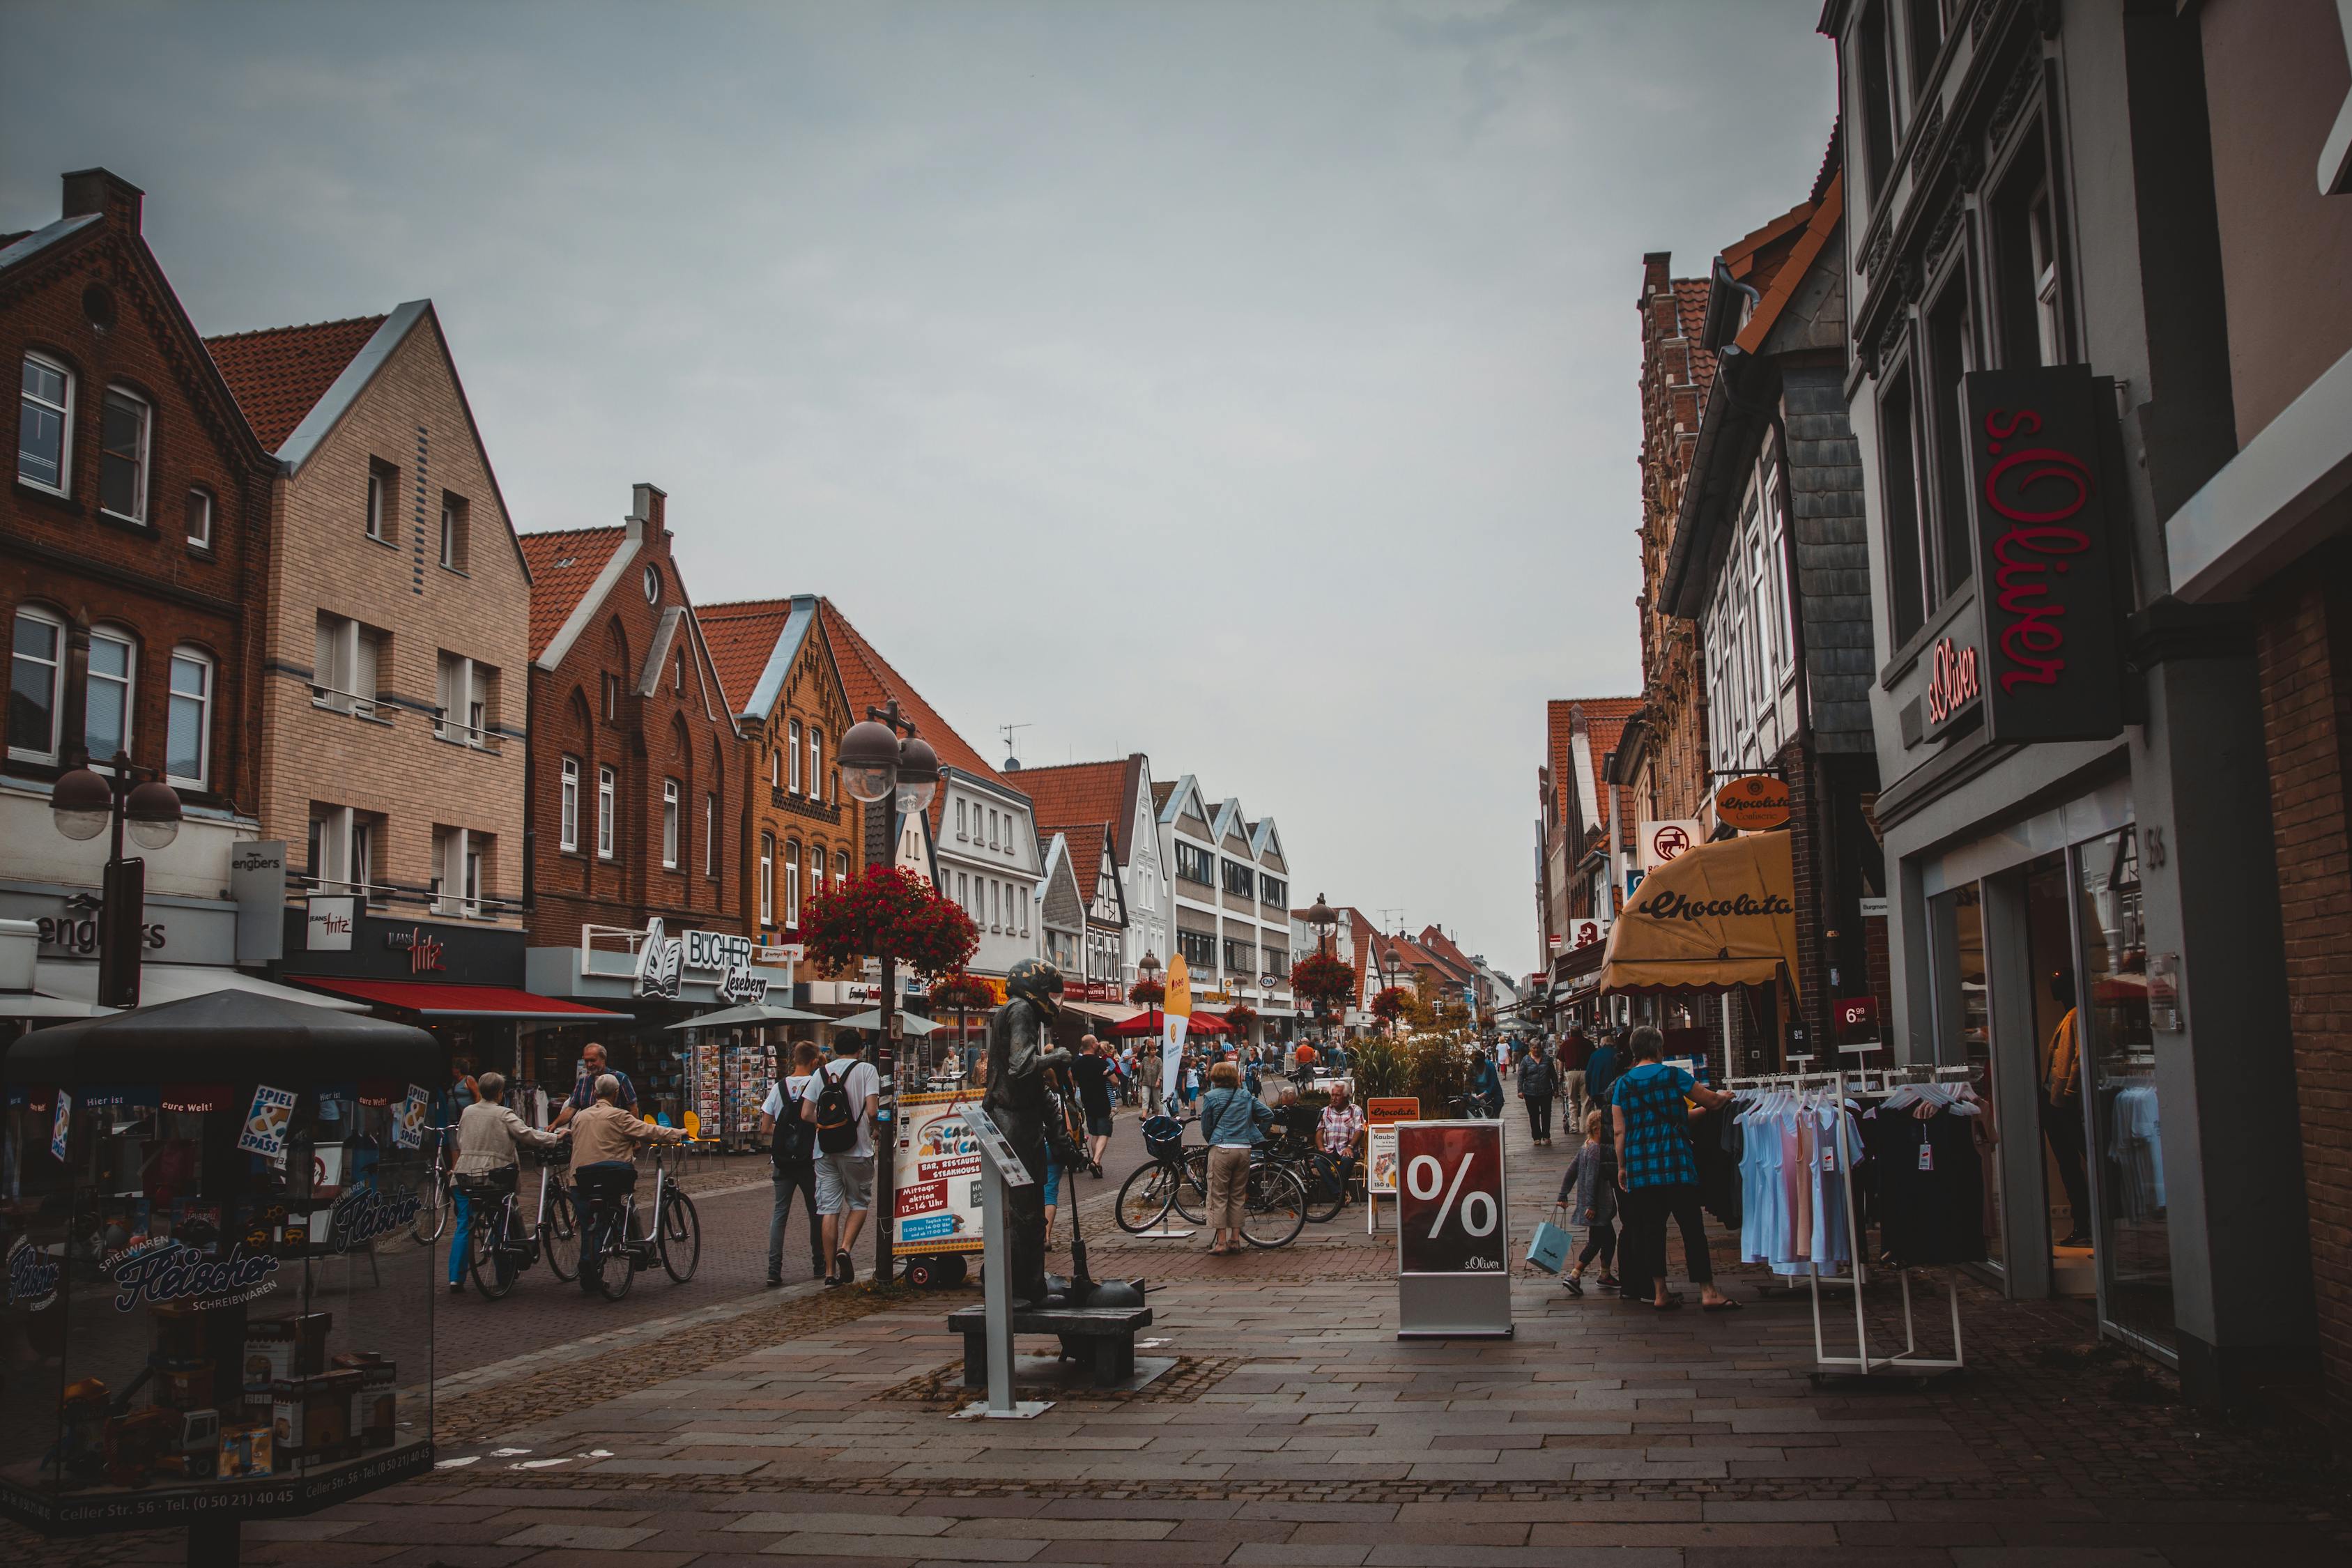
(1119, 798)
(393, 740)
(978, 838)
(636, 800)
(802, 834)
(1231, 915)
(134, 551)
(1103, 962)
(1061, 911)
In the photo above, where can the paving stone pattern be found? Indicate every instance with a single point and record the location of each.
(1602, 1433)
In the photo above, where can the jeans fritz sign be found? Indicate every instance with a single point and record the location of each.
(2048, 663)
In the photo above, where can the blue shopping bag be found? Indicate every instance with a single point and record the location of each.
(1548, 1250)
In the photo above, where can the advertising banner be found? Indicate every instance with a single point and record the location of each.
(937, 1205)
(265, 1122)
(1454, 1243)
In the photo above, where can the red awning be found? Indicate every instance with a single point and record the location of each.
(428, 1000)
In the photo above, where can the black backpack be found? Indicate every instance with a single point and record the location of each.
(837, 1118)
(790, 1147)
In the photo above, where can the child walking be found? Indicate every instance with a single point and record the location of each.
(1588, 1186)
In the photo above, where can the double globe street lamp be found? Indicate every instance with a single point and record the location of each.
(84, 803)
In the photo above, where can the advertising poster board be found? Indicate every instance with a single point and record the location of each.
(1453, 1243)
(937, 1202)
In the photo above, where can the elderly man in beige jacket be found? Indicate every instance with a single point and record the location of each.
(604, 1141)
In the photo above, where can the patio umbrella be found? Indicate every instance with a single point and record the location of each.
(750, 1014)
(872, 1019)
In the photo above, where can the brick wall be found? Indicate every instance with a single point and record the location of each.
(825, 820)
(1675, 375)
(2304, 645)
(411, 417)
(58, 553)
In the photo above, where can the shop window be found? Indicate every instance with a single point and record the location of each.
(126, 427)
(107, 695)
(44, 425)
(35, 685)
(568, 830)
(188, 721)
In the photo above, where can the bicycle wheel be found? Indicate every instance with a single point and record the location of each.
(615, 1268)
(1275, 1211)
(492, 1265)
(1327, 1190)
(1144, 1196)
(432, 1209)
(680, 1236)
(558, 1237)
(1191, 1193)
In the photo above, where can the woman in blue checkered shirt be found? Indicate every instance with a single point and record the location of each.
(1660, 1174)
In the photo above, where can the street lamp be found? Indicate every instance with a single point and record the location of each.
(875, 766)
(1391, 965)
(84, 803)
(1324, 919)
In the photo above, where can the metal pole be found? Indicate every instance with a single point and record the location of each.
(885, 1137)
(996, 1260)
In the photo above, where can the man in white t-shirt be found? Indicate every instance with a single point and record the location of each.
(845, 1177)
(792, 1148)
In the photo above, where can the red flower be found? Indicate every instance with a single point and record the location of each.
(1147, 994)
(887, 911)
(962, 990)
(1389, 1004)
(1323, 980)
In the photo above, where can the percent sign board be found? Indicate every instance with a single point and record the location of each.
(1450, 1199)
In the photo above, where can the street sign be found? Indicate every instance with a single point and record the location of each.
(1454, 1243)
(1382, 1108)
(1753, 803)
(1660, 841)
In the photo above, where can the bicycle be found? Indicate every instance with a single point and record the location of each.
(1329, 1179)
(612, 1234)
(433, 1190)
(1171, 1181)
(502, 1249)
(1274, 1203)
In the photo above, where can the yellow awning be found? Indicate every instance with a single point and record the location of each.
(1719, 914)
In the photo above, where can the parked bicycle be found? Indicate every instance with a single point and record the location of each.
(1171, 1181)
(615, 1244)
(433, 1188)
(1274, 1200)
(502, 1248)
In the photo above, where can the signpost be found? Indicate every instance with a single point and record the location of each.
(1753, 803)
(1002, 1169)
(1454, 1242)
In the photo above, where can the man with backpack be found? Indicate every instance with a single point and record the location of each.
(791, 1152)
(840, 1107)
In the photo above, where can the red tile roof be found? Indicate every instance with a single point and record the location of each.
(563, 566)
(742, 639)
(1604, 722)
(869, 681)
(1690, 310)
(1790, 256)
(278, 373)
(1084, 793)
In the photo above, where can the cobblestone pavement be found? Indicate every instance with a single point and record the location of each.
(1308, 1434)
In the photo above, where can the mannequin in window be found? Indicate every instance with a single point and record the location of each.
(2061, 1109)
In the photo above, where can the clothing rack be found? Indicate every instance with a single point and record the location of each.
(1855, 1082)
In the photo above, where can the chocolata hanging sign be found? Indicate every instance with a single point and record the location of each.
(2048, 664)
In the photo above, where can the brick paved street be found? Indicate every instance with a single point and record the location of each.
(1298, 1429)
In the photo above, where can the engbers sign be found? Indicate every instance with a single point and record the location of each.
(2048, 665)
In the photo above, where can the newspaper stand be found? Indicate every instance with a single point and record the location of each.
(216, 1309)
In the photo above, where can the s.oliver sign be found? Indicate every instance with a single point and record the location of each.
(1450, 1198)
(2049, 664)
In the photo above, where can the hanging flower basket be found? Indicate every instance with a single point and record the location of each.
(887, 911)
(960, 990)
(1241, 1015)
(1322, 980)
(1147, 994)
(1389, 1006)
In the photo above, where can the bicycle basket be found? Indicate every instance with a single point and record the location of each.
(1163, 1137)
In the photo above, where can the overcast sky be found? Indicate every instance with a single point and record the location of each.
(1250, 385)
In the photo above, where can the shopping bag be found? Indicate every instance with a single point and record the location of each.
(1548, 1250)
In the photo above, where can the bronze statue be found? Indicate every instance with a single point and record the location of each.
(1020, 1052)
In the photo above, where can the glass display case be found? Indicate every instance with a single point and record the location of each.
(215, 1309)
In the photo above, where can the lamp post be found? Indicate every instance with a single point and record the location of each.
(877, 765)
(1391, 965)
(85, 803)
(1324, 919)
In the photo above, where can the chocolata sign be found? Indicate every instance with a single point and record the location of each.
(2049, 665)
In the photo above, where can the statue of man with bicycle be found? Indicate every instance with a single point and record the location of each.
(1021, 1054)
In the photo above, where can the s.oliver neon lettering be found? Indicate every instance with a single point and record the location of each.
(2034, 548)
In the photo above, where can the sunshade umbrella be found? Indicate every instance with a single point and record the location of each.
(750, 1013)
(872, 1019)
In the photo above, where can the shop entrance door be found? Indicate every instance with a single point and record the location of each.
(2053, 992)
(1964, 1027)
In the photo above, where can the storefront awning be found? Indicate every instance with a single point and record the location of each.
(1101, 1012)
(428, 1000)
(1718, 915)
(162, 983)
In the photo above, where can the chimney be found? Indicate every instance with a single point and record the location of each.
(103, 190)
(646, 510)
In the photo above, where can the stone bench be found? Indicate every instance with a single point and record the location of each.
(1102, 1335)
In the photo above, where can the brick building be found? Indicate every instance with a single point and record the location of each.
(132, 561)
(777, 665)
(636, 806)
(1770, 563)
(1582, 838)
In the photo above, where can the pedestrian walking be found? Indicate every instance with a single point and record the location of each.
(1601, 1070)
(1575, 1056)
(487, 1136)
(1487, 1085)
(1093, 1072)
(1660, 1174)
(1588, 1189)
(584, 1088)
(791, 1159)
(1538, 1085)
(1231, 1122)
(840, 1105)
(605, 1139)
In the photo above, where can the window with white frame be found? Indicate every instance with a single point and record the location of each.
(766, 878)
(775, 768)
(605, 793)
(669, 824)
(567, 818)
(467, 690)
(453, 532)
(200, 519)
(106, 695)
(960, 832)
(188, 724)
(710, 835)
(992, 830)
(382, 486)
(126, 425)
(840, 869)
(793, 761)
(35, 685)
(815, 764)
(791, 882)
(963, 891)
(345, 659)
(44, 425)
